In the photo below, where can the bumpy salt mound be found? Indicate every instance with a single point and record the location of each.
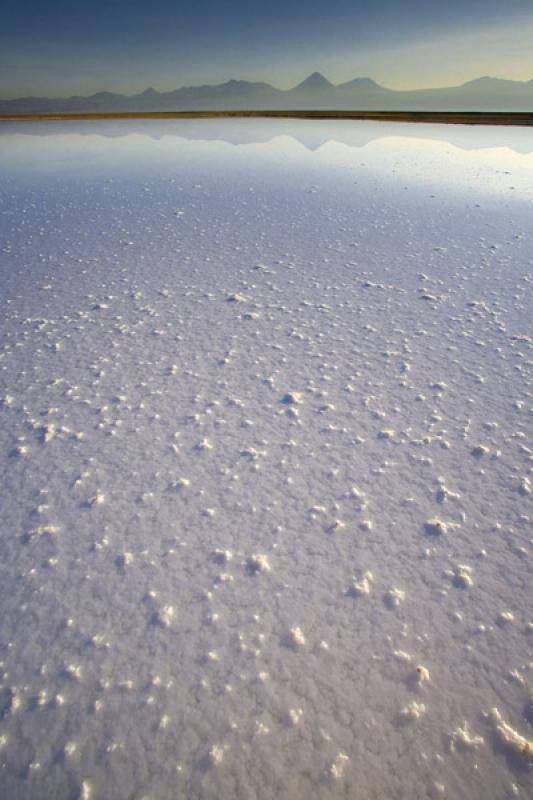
(412, 712)
(294, 638)
(257, 563)
(292, 398)
(360, 586)
(511, 738)
(463, 738)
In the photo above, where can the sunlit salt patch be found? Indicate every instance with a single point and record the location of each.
(265, 269)
(437, 527)
(252, 453)
(44, 530)
(360, 587)
(20, 450)
(291, 412)
(464, 739)
(41, 698)
(99, 640)
(336, 526)
(164, 722)
(221, 556)
(420, 675)
(224, 577)
(257, 563)
(462, 576)
(100, 544)
(70, 749)
(124, 560)
(47, 433)
(204, 444)
(294, 638)
(10, 701)
(236, 298)
(524, 486)
(401, 655)
(146, 497)
(292, 398)
(337, 768)
(516, 677)
(96, 500)
(394, 597)
(443, 493)
(314, 510)
(215, 756)
(412, 712)
(73, 671)
(86, 791)
(294, 716)
(510, 738)
(212, 656)
(261, 729)
(164, 616)
(181, 483)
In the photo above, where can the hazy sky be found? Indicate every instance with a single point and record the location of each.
(63, 47)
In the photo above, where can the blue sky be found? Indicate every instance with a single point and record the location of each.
(63, 47)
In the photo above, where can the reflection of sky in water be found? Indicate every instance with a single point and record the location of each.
(491, 159)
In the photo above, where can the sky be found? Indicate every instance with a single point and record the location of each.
(63, 47)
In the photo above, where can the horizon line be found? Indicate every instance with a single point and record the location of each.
(519, 118)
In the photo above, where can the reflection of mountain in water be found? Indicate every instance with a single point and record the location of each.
(311, 134)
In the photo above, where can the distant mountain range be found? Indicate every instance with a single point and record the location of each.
(314, 93)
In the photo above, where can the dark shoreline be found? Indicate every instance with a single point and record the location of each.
(443, 117)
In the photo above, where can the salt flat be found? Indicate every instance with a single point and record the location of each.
(266, 461)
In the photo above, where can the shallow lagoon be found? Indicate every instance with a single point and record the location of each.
(265, 446)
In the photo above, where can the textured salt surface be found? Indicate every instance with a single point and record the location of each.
(265, 449)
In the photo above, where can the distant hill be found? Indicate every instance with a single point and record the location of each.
(314, 93)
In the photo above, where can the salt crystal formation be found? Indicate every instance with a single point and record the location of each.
(257, 563)
(394, 597)
(412, 712)
(420, 675)
(295, 638)
(510, 738)
(336, 769)
(435, 527)
(292, 398)
(164, 616)
(361, 586)
(463, 738)
(462, 576)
